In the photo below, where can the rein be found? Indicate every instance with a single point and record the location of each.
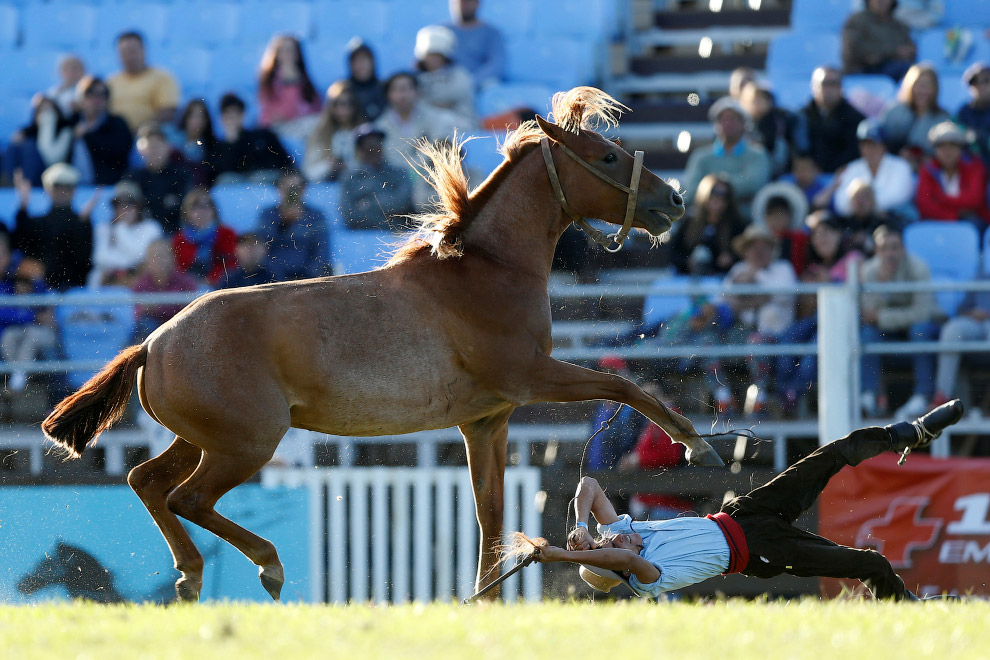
(632, 190)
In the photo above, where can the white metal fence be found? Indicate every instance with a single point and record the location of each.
(400, 534)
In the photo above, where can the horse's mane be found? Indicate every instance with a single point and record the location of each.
(440, 229)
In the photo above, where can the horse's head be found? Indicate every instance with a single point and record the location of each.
(600, 179)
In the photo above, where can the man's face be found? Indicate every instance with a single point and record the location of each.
(61, 194)
(890, 249)
(369, 149)
(291, 189)
(948, 155)
(862, 202)
(979, 88)
(131, 54)
(232, 120)
(402, 93)
(826, 88)
(871, 151)
(96, 99)
(759, 253)
(729, 126)
(154, 151)
(464, 11)
(632, 542)
(879, 7)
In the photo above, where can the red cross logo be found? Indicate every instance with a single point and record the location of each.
(900, 531)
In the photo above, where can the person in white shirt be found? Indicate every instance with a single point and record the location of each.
(889, 175)
(753, 534)
(120, 246)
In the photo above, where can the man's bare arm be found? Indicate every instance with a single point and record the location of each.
(589, 499)
(614, 559)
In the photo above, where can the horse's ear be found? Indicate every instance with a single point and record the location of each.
(554, 132)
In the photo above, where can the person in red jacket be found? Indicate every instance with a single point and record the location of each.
(203, 247)
(953, 184)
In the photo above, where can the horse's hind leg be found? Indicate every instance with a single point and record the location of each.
(153, 480)
(195, 498)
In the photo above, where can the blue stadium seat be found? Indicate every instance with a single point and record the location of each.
(59, 25)
(880, 86)
(952, 94)
(326, 62)
(102, 61)
(238, 204)
(952, 252)
(361, 250)
(513, 17)
(9, 25)
(481, 156)
(408, 17)
(974, 13)
(398, 56)
(235, 67)
(494, 99)
(824, 15)
(149, 18)
(587, 20)
(558, 62)
(15, 113)
(796, 54)
(660, 308)
(192, 67)
(93, 332)
(259, 20)
(203, 23)
(791, 92)
(336, 21)
(27, 71)
(931, 48)
(326, 197)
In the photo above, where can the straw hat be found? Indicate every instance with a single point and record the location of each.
(947, 131)
(753, 233)
(599, 579)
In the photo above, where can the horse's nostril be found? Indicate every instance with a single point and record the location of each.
(676, 198)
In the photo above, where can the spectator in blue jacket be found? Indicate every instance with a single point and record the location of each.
(295, 233)
(608, 447)
(976, 113)
(480, 46)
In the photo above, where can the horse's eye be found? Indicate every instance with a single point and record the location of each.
(611, 158)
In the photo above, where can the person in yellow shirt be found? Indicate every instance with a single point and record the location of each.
(140, 92)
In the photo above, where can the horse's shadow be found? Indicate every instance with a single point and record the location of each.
(82, 575)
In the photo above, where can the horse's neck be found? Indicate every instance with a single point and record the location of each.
(519, 221)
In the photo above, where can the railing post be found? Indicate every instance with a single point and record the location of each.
(838, 360)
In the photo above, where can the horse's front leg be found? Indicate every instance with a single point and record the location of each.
(486, 441)
(563, 382)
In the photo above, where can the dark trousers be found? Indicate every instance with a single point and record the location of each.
(767, 517)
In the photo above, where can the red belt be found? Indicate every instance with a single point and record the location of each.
(738, 549)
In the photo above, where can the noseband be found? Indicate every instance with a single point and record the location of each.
(632, 190)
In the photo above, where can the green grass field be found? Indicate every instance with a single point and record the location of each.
(732, 629)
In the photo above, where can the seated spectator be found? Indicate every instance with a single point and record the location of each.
(907, 120)
(480, 46)
(781, 208)
(953, 184)
(330, 147)
(374, 191)
(42, 143)
(715, 221)
(246, 154)
(971, 323)
(443, 83)
(975, 114)
(103, 141)
(827, 124)
(203, 246)
(295, 234)
(162, 179)
(773, 127)
(873, 41)
(286, 94)
(746, 165)
(890, 176)
(608, 447)
(120, 246)
(141, 93)
(197, 142)
(159, 274)
(864, 217)
(806, 175)
(762, 317)
(251, 256)
(898, 317)
(70, 71)
(59, 243)
(24, 331)
(364, 80)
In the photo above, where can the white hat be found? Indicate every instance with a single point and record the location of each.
(435, 39)
(599, 579)
(947, 131)
(723, 104)
(60, 174)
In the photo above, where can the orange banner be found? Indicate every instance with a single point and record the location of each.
(929, 517)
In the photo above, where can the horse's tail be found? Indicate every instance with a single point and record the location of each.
(99, 404)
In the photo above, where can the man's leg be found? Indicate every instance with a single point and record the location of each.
(924, 363)
(961, 328)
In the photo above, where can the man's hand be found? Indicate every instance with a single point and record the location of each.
(580, 539)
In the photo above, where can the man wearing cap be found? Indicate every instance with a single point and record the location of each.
(746, 165)
(952, 185)
(975, 114)
(890, 175)
(374, 191)
(753, 534)
(59, 243)
(120, 245)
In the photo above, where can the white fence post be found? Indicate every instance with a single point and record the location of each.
(838, 360)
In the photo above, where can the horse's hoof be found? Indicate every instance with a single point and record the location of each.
(272, 579)
(705, 458)
(187, 590)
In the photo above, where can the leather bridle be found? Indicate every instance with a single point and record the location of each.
(632, 190)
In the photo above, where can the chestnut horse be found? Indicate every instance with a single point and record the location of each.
(453, 331)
